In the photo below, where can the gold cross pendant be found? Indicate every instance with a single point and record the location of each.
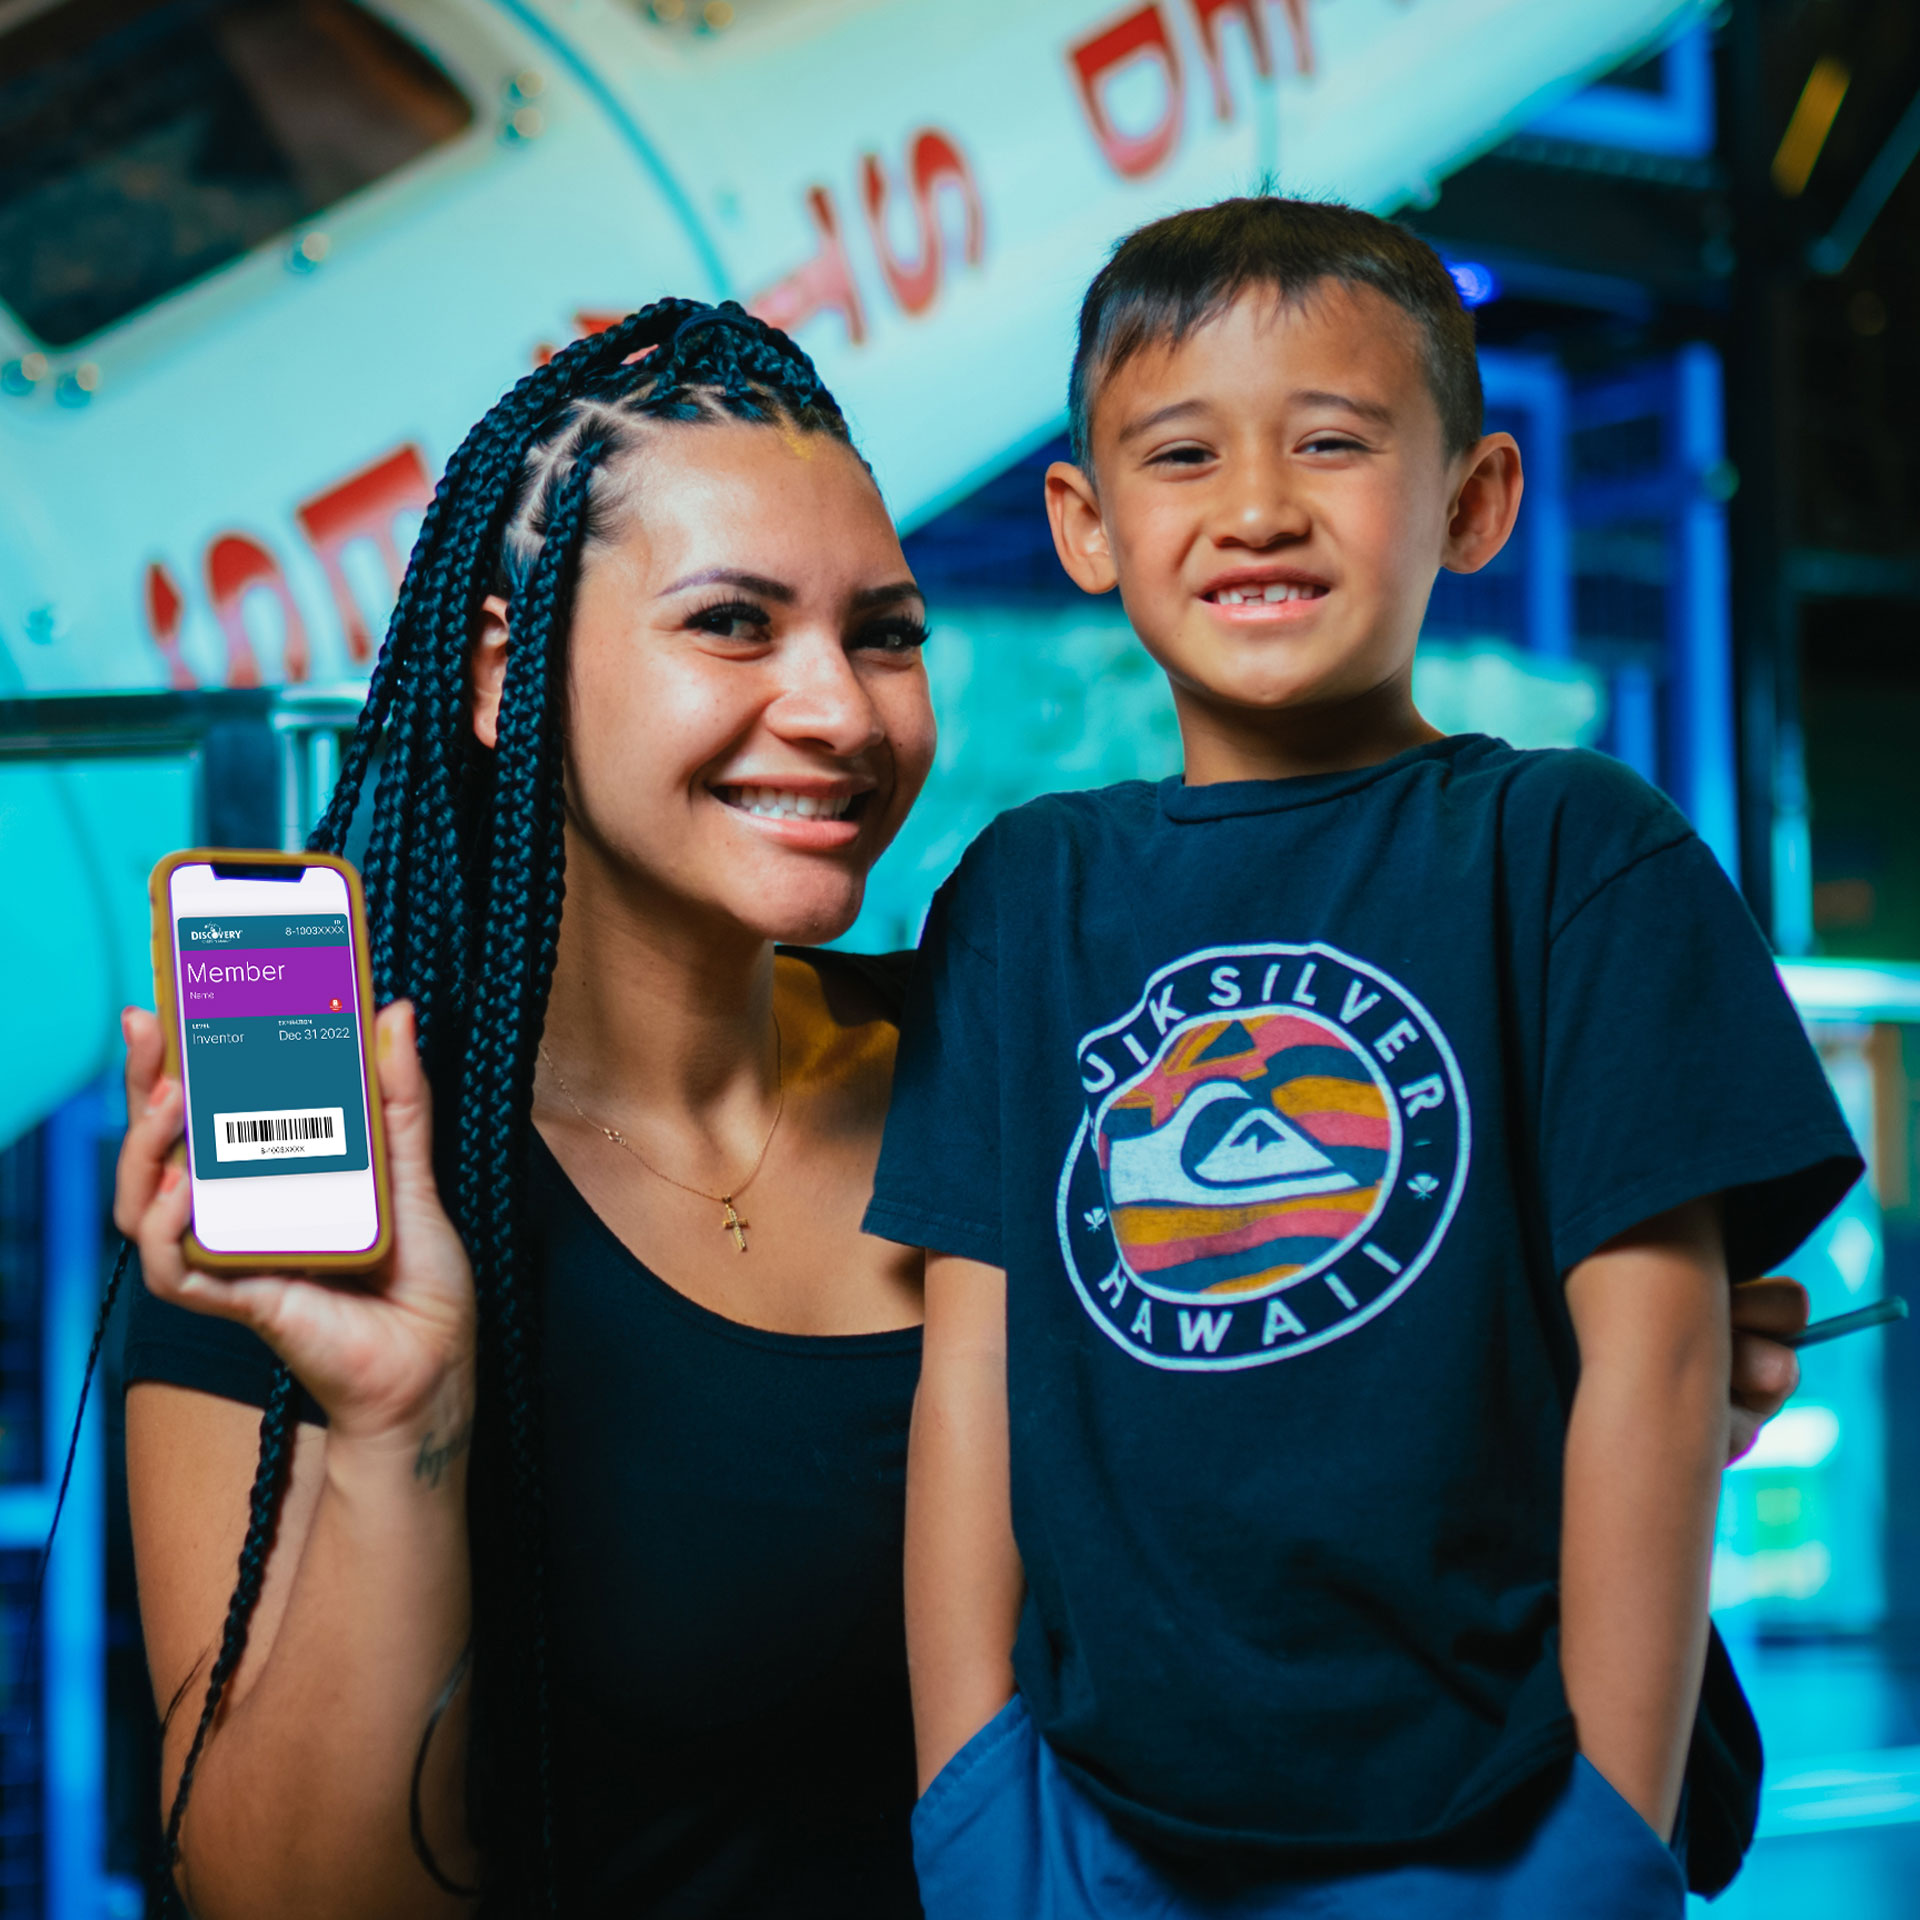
(734, 1224)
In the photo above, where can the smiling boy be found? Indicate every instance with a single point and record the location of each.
(1332, 1164)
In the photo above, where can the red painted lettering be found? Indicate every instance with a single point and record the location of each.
(364, 507)
(164, 604)
(1206, 15)
(236, 565)
(1140, 36)
(934, 161)
(824, 284)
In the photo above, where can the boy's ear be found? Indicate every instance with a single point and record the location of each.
(1079, 532)
(1485, 504)
(487, 669)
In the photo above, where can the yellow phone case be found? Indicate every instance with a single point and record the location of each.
(166, 1000)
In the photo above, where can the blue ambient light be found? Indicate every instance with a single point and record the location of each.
(1476, 283)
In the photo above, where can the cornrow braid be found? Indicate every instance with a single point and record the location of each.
(465, 878)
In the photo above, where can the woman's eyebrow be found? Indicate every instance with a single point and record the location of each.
(883, 596)
(731, 577)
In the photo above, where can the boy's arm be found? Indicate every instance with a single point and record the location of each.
(964, 1584)
(1644, 1451)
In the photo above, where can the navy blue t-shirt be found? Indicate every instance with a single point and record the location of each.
(1287, 1106)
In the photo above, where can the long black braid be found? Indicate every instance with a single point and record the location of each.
(465, 876)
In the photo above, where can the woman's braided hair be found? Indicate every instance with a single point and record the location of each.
(464, 878)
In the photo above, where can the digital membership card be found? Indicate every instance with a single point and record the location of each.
(269, 1026)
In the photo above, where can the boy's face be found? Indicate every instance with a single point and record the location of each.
(1273, 498)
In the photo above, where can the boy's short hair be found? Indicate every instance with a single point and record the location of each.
(1166, 279)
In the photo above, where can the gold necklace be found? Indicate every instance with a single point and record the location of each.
(730, 1220)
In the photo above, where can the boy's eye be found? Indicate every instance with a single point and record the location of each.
(898, 633)
(732, 620)
(1331, 443)
(1188, 455)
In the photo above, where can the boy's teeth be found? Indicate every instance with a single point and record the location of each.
(776, 803)
(1270, 595)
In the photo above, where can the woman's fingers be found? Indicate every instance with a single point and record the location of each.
(255, 1302)
(153, 1122)
(406, 1105)
(158, 1230)
(1773, 1306)
(141, 1031)
(1765, 1373)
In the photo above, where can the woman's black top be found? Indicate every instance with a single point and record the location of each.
(732, 1733)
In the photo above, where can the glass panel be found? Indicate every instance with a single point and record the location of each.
(143, 146)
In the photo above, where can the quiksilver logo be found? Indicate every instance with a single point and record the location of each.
(1275, 1141)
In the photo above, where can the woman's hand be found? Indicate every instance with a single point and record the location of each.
(389, 1353)
(1765, 1373)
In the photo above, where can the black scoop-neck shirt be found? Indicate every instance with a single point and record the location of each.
(732, 1729)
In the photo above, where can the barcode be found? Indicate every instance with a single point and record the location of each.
(295, 1126)
(301, 1133)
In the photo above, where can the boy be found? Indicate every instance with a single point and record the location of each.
(1332, 1165)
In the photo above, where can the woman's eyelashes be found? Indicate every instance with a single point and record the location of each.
(747, 623)
(732, 620)
(896, 633)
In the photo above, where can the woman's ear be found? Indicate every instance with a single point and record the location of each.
(1079, 532)
(487, 669)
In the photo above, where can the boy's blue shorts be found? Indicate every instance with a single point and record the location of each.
(1004, 1834)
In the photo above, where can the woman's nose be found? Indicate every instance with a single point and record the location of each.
(822, 700)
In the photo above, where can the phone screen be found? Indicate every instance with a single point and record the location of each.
(274, 1062)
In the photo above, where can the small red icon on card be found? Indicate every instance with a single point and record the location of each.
(333, 1006)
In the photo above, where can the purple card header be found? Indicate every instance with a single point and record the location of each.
(233, 985)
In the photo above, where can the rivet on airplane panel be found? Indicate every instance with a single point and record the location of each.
(528, 84)
(716, 16)
(23, 375)
(308, 252)
(668, 11)
(526, 123)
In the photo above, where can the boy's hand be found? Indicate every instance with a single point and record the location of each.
(1765, 1374)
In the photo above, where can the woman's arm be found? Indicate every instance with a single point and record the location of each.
(300, 1803)
(1645, 1446)
(964, 1584)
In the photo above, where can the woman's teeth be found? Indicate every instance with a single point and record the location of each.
(1271, 595)
(776, 803)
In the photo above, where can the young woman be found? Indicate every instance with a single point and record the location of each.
(570, 1575)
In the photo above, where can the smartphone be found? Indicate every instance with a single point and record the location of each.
(266, 1006)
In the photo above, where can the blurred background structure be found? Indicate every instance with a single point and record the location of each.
(261, 262)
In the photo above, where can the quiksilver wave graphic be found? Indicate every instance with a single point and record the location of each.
(1275, 1143)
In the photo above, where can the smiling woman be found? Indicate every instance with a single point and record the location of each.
(615, 1435)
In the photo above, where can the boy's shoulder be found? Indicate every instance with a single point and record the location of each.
(1081, 809)
(1019, 834)
(1587, 813)
(1570, 776)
